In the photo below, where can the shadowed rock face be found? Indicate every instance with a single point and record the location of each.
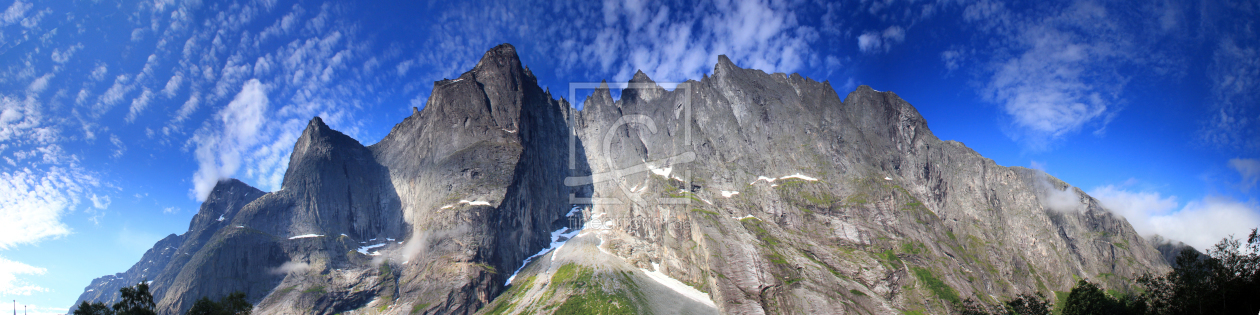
(434, 217)
(794, 201)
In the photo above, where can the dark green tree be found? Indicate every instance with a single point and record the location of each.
(1225, 281)
(971, 307)
(1087, 299)
(236, 304)
(204, 306)
(136, 300)
(232, 304)
(95, 308)
(1028, 304)
(1024, 304)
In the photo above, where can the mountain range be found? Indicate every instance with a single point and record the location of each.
(743, 192)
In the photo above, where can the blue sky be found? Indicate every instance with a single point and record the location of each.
(116, 118)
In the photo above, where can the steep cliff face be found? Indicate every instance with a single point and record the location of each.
(741, 193)
(480, 172)
(335, 198)
(799, 202)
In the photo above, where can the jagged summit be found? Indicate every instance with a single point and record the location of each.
(318, 144)
(502, 57)
(723, 65)
(229, 186)
(640, 77)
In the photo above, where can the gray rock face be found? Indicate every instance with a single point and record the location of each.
(767, 193)
(881, 209)
(1170, 249)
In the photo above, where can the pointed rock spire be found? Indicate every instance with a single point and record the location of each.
(641, 88)
(724, 65)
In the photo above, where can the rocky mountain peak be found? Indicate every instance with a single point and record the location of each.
(640, 77)
(316, 143)
(500, 58)
(641, 89)
(220, 206)
(230, 187)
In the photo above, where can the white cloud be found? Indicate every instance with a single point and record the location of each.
(22, 122)
(170, 210)
(9, 282)
(190, 106)
(1051, 197)
(404, 66)
(952, 58)
(99, 72)
(16, 12)
(1235, 76)
(1137, 207)
(173, 84)
(881, 41)
(61, 56)
(289, 267)
(1044, 89)
(1053, 74)
(1248, 169)
(115, 93)
(100, 202)
(39, 84)
(668, 42)
(1201, 223)
(238, 128)
(139, 104)
(119, 146)
(869, 42)
(32, 203)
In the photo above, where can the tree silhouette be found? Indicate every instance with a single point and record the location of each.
(95, 308)
(232, 304)
(136, 300)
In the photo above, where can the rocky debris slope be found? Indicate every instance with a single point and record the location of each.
(581, 277)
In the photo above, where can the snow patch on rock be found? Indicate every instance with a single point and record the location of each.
(678, 286)
(558, 238)
(364, 250)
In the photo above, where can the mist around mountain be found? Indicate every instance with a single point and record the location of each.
(743, 192)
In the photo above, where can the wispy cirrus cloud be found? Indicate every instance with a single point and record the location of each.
(660, 40)
(668, 41)
(1234, 121)
(1053, 74)
(1248, 171)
